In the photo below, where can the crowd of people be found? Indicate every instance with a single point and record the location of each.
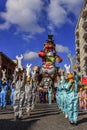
(70, 96)
(24, 95)
(23, 92)
(6, 86)
(67, 96)
(83, 97)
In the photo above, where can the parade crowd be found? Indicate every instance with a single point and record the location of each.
(24, 93)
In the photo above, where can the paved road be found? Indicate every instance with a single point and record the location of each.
(44, 117)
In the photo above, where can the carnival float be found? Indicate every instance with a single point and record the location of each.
(48, 69)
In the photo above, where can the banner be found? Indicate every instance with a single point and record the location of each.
(84, 80)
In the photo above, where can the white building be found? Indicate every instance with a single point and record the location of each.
(81, 41)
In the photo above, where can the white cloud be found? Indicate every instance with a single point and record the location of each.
(73, 6)
(28, 17)
(63, 49)
(30, 55)
(5, 26)
(27, 37)
(23, 13)
(59, 10)
(56, 13)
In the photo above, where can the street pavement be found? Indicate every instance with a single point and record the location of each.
(43, 117)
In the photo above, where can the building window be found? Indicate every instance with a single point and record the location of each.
(85, 28)
(85, 17)
(4, 67)
(85, 50)
(85, 39)
(85, 62)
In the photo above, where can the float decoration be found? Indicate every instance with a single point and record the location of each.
(49, 58)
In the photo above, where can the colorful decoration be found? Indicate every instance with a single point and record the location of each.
(67, 67)
(3, 74)
(49, 57)
(19, 59)
(28, 70)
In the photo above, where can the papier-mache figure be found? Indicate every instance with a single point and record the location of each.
(19, 93)
(34, 81)
(19, 60)
(28, 70)
(28, 89)
(28, 95)
(4, 74)
(67, 67)
(48, 69)
(48, 54)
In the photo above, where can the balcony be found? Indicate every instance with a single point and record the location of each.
(78, 61)
(77, 32)
(77, 49)
(77, 40)
(84, 65)
(85, 34)
(78, 52)
(78, 58)
(78, 65)
(85, 45)
(84, 13)
(85, 23)
(85, 56)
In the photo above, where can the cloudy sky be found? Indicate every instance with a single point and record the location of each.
(25, 25)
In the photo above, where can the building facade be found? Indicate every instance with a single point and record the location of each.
(6, 64)
(81, 41)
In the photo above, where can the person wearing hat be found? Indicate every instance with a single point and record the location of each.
(50, 95)
(19, 94)
(58, 93)
(65, 111)
(4, 87)
(28, 95)
(63, 92)
(85, 97)
(34, 82)
(72, 100)
(0, 90)
(80, 95)
(12, 88)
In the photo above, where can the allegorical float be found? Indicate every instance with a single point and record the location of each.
(48, 70)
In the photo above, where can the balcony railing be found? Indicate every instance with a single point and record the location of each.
(85, 45)
(77, 32)
(85, 34)
(78, 58)
(78, 63)
(85, 55)
(77, 40)
(84, 13)
(77, 49)
(85, 23)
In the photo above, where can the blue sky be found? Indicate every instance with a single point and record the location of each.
(25, 25)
